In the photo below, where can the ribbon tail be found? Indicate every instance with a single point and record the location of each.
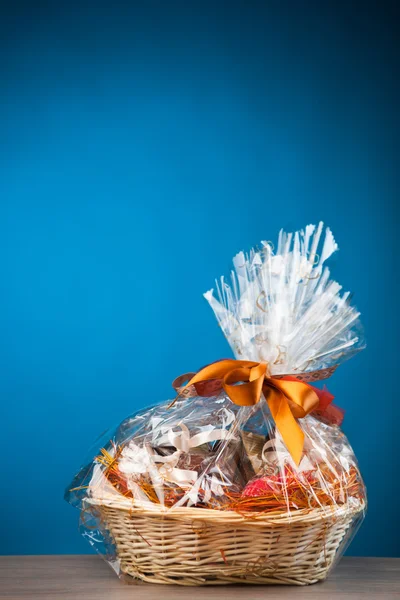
(302, 397)
(290, 430)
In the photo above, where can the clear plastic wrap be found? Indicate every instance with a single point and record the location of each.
(246, 475)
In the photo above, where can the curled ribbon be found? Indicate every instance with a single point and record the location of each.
(288, 398)
(184, 443)
(136, 460)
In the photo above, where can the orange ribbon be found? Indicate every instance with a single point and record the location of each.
(288, 399)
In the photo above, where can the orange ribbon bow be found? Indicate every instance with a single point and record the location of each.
(288, 398)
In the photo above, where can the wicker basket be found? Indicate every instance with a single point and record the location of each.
(196, 546)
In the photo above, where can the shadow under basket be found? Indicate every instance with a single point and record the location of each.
(197, 546)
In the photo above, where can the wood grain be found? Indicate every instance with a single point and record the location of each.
(89, 578)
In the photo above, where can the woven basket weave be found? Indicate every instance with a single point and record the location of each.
(196, 546)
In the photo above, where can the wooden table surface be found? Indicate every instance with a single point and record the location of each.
(89, 578)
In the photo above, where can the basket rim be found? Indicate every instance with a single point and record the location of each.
(352, 507)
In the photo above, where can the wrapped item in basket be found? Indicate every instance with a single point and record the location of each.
(245, 476)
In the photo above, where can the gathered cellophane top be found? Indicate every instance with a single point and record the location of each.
(202, 450)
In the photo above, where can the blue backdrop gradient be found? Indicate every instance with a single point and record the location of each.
(142, 146)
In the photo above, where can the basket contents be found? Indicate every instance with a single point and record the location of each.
(245, 476)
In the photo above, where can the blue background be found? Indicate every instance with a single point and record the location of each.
(142, 146)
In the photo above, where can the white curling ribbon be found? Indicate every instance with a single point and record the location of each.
(182, 477)
(136, 460)
(182, 440)
(183, 443)
(280, 455)
(161, 432)
(168, 470)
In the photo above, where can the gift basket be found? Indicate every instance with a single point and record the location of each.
(245, 475)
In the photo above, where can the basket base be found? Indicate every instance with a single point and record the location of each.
(130, 576)
(185, 549)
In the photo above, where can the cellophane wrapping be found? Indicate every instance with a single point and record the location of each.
(200, 450)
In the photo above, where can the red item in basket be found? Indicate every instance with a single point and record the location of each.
(276, 484)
